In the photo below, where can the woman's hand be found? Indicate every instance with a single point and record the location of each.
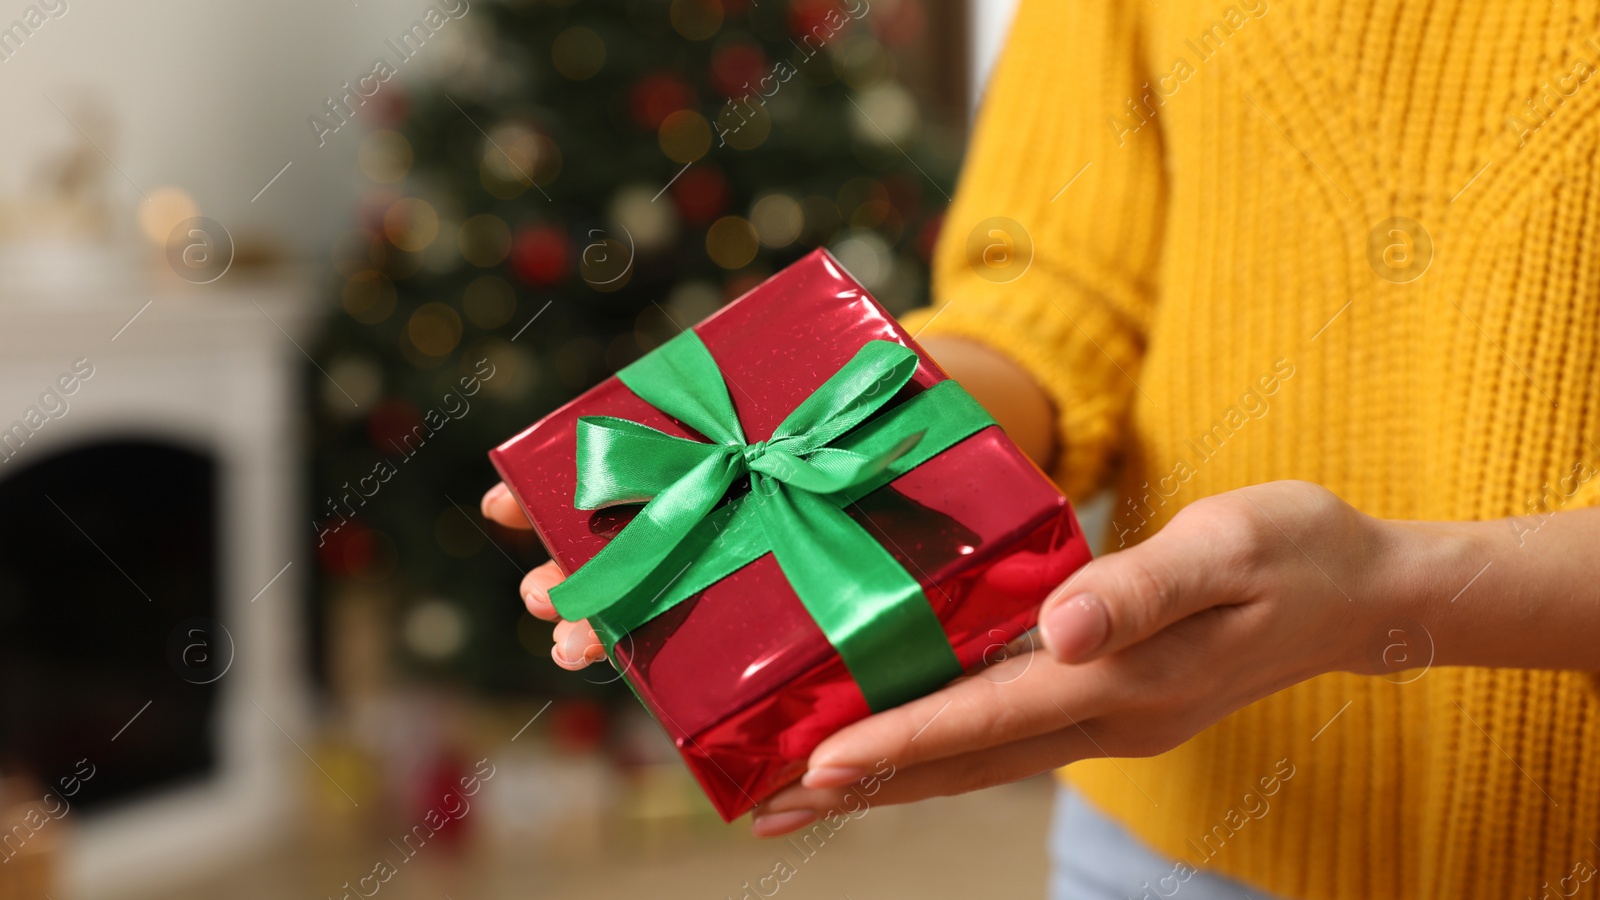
(1241, 595)
(576, 645)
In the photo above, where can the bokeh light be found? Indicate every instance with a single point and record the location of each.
(693, 300)
(385, 156)
(578, 53)
(697, 20)
(435, 630)
(357, 378)
(369, 297)
(489, 301)
(411, 224)
(160, 214)
(731, 242)
(637, 212)
(778, 219)
(514, 157)
(885, 114)
(434, 329)
(866, 256)
(685, 136)
(742, 125)
(485, 240)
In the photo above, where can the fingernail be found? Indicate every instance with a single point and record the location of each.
(775, 824)
(495, 493)
(575, 646)
(536, 595)
(831, 776)
(1076, 628)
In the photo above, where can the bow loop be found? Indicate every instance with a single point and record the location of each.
(626, 462)
(682, 380)
(859, 389)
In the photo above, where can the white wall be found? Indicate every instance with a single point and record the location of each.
(991, 19)
(208, 95)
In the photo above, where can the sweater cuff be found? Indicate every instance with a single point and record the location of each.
(1088, 376)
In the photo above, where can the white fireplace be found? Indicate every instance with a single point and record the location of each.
(216, 371)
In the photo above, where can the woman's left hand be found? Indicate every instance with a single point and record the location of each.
(1241, 595)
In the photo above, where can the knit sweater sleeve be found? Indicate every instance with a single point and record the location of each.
(1054, 163)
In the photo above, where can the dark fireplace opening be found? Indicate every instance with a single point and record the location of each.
(110, 649)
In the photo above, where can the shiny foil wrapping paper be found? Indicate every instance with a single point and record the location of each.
(741, 678)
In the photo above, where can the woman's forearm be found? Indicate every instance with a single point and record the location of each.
(1517, 593)
(1005, 389)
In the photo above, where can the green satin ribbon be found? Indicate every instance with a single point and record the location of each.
(820, 459)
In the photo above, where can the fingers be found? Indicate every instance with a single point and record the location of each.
(888, 782)
(576, 646)
(1021, 698)
(1123, 598)
(536, 587)
(500, 507)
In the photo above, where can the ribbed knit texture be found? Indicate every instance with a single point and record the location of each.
(1223, 246)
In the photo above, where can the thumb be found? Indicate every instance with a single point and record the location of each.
(1125, 597)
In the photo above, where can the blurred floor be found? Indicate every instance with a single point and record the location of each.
(989, 844)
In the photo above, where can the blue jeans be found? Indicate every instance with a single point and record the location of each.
(1094, 858)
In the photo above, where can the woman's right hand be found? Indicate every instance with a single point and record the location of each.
(576, 645)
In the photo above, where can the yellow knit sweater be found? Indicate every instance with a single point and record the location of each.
(1215, 296)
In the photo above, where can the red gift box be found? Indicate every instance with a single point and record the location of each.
(739, 675)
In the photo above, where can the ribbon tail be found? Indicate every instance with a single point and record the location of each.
(871, 610)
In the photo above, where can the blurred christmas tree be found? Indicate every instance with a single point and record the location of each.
(587, 179)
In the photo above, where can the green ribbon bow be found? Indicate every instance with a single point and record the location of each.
(816, 462)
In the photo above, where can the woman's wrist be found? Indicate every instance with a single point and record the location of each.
(1484, 594)
(1426, 568)
(1005, 389)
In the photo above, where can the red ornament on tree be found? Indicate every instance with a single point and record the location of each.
(391, 423)
(701, 194)
(539, 255)
(811, 17)
(346, 546)
(736, 69)
(657, 96)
